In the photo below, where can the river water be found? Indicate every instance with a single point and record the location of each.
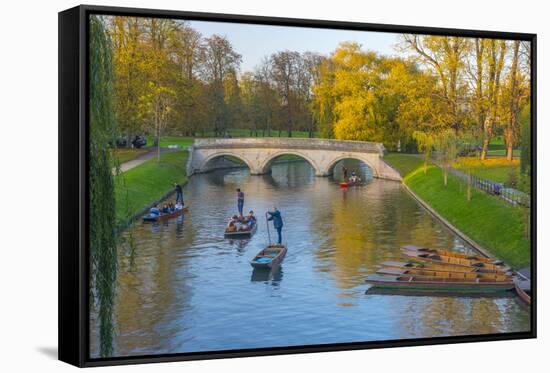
(182, 287)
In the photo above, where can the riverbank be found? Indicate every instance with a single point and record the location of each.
(492, 223)
(147, 183)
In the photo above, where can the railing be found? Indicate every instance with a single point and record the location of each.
(510, 195)
(291, 143)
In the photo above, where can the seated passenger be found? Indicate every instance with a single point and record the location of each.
(178, 206)
(231, 226)
(154, 211)
(165, 209)
(251, 219)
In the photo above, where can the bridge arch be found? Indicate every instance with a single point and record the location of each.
(207, 164)
(268, 162)
(365, 160)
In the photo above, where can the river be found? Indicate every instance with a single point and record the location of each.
(182, 287)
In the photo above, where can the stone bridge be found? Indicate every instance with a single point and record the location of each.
(259, 153)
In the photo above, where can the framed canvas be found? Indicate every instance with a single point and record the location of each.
(235, 186)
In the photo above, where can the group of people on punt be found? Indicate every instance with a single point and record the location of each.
(241, 223)
(167, 208)
(353, 179)
(238, 223)
(170, 207)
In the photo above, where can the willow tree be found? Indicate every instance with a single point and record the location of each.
(446, 145)
(103, 242)
(425, 142)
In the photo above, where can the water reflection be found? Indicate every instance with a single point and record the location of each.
(183, 287)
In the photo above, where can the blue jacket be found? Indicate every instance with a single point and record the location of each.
(277, 219)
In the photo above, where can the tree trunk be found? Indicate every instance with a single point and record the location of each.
(469, 190)
(484, 149)
(445, 172)
(158, 143)
(509, 151)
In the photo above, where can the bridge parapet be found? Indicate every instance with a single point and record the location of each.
(290, 143)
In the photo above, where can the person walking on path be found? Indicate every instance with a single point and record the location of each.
(240, 201)
(275, 215)
(179, 193)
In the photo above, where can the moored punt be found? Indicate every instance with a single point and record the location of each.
(269, 257)
(163, 217)
(523, 288)
(439, 267)
(449, 260)
(452, 254)
(444, 274)
(437, 284)
(244, 233)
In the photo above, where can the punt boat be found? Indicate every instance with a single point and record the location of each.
(163, 217)
(269, 257)
(439, 267)
(451, 253)
(438, 284)
(444, 274)
(449, 260)
(245, 233)
(523, 288)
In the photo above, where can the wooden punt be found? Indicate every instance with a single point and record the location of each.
(449, 260)
(242, 233)
(523, 288)
(437, 284)
(269, 257)
(344, 185)
(163, 217)
(454, 254)
(439, 267)
(444, 274)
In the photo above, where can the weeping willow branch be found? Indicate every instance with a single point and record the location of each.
(103, 238)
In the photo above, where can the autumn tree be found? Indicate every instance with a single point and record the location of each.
(157, 100)
(188, 55)
(446, 145)
(220, 59)
(127, 35)
(445, 56)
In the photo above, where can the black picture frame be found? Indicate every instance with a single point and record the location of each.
(73, 175)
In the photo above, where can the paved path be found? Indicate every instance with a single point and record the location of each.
(144, 158)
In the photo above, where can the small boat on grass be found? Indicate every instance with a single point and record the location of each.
(438, 267)
(452, 254)
(444, 274)
(523, 288)
(420, 257)
(244, 231)
(269, 257)
(163, 217)
(438, 284)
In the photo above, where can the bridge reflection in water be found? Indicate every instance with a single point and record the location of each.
(185, 288)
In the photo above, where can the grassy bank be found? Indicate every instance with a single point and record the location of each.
(499, 170)
(146, 183)
(124, 155)
(491, 222)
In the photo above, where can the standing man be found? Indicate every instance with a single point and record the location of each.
(179, 193)
(240, 201)
(345, 172)
(275, 215)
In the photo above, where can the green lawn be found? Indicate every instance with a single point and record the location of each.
(491, 222)
(182, 142)
(499, 170)
(404, 163)
(125, 155)
(146, 183)
(498, 148)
